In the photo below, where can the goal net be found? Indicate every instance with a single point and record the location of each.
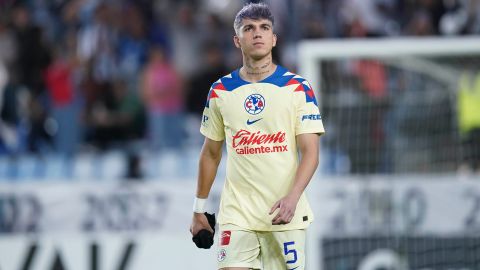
(391, 105)
(396, 112)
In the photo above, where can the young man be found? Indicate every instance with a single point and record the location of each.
(266, 115)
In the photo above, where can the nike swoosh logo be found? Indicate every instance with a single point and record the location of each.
(253, 121)
(293, 268)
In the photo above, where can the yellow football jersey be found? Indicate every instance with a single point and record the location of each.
(259, 123)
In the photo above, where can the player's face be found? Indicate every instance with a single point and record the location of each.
(255, 38)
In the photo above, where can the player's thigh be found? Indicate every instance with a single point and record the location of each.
(238, 248)
(283, 250)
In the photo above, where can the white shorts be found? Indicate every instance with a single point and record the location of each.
(238, 247)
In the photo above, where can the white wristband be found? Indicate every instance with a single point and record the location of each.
(199, 205)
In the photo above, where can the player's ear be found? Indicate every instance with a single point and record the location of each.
(274, 40)
(236, 41)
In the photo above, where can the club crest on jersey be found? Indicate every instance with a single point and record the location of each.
(254, 104)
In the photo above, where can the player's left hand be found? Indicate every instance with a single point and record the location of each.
(286, 206)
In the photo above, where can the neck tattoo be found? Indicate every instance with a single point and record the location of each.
(258, 73)
(259, 70)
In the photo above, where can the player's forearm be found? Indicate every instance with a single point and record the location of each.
(306, 169)
(207, 171)
(308, 146)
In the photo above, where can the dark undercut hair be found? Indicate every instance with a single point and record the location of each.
(254, 11)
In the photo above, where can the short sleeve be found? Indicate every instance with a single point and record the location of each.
(308, 118)
(212, 125)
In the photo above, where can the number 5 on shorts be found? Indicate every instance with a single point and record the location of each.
(287, 251)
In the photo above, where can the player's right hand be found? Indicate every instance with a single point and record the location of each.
(199, 222)
(203, 234)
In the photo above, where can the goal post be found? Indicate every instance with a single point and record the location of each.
(383, 101)
(312, 52)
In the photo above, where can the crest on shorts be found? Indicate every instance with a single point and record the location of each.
(222, 254)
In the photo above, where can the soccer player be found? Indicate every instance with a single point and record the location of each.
(267, 116)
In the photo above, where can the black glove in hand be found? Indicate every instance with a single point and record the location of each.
(204, 238)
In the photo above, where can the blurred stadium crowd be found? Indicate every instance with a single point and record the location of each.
(96, 76)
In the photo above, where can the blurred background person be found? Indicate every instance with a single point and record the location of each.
(64, 97)
(33, 56)
(163, 94)
(468, 105)
(213, 67)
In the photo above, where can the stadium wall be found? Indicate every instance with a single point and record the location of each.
(361, 223)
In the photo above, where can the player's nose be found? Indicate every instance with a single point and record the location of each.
(257, 33)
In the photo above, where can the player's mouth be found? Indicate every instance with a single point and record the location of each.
(258, 44)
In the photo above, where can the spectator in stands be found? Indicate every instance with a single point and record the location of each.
(199, 86)
(469, 120)
(8, 46)
(186, 36)
(474, 24)
(60, 83)
(422, 14)
(132, 47)
(455, 18)
(162, 91)
(421, 24)
(32, 58)
(213, 67)
(372, 14)
(129, 115)
(213, 28)
(121, 122)
(9, 138)
(32, 54)
(97, 53)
